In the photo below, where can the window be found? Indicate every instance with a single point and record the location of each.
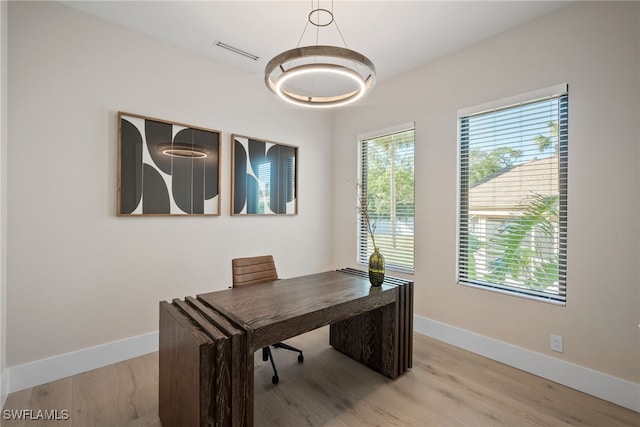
(512, 222)
(387, 180)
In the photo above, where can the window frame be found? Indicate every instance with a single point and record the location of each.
(463, 278)
(363, 253)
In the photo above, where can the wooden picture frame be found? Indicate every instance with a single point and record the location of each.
(264, 177)
(167, 168)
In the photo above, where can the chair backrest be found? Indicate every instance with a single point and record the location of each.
(252, 270)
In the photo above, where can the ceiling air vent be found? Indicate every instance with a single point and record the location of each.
(236, 50)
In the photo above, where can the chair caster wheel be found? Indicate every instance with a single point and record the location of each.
(275, 379)
(300, 358)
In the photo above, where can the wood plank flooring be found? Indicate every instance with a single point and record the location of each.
(446, 387)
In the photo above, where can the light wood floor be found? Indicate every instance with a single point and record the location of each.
(446, 387)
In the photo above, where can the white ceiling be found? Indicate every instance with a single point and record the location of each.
(396, 35)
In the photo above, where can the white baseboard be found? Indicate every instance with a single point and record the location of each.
(64, 365)
(604, 386)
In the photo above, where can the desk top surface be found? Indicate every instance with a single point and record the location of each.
(265, 304)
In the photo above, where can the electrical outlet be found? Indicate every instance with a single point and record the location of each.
(556, 343)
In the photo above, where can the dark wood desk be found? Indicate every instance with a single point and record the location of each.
(207, 343)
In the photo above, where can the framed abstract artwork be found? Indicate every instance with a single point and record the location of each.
(264, 177)
(166, 168)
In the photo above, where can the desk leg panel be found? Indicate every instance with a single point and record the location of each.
(409, 324)
(238, 356)
(356, 336)
(405, 297)
(185, 370)
(402, 337)
(369, 338)
(201, 383)
(222, 370)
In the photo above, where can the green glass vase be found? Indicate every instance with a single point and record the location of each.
(376, 268)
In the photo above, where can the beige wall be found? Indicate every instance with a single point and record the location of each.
(592, 46)
(3, 199)
(80, 276)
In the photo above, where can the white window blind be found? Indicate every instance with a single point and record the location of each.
(387, 182)
(513, 198)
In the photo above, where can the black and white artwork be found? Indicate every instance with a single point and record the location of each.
(166, 168)
(264, 177)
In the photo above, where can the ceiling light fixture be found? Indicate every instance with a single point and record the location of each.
(320, 75)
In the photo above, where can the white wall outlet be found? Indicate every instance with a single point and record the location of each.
(556, 343)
